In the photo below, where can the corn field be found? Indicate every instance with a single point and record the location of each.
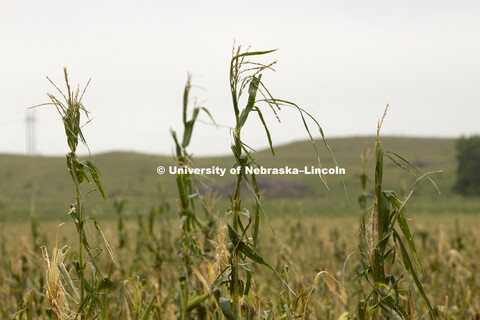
(188, 259)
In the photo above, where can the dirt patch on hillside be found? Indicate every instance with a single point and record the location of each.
(269, 188)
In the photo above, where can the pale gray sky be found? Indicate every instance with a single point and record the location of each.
(341, 60)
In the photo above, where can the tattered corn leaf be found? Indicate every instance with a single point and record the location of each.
(409, 267)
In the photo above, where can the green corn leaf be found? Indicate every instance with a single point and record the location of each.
(181, 190)
(252, 254)
(208, 114)
(384, 210)
(195, 301)
(221, 278)
(401, 158)
(399, 164)
(185, 98)
(226, 309)
(247, 149)
(177, 145)
(80, 172)
(260, 115)
(96, 177)
(425, 174)
(409, 267)
(302, 112)
(302, 115)
(387, 303)
(400, 217)
(72, 169)
(259, 203)
(256, 222)
(378, 173)
(364, 273)
(254, 53)
(148, 309)
(252, 94)
(91, 298)
(402, 222)
(82, 138)
(378, 268)
(245, 249)
(187, 134)
(248, 284)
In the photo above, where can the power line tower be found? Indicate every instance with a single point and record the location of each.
(30, 136)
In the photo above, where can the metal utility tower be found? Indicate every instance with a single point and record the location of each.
(30, 136)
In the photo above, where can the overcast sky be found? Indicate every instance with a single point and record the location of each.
(341, 60)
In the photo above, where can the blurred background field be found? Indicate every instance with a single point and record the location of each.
(39, 183)
(315, 229)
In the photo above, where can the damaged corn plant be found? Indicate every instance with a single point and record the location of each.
(193, 245)
(243, 225)
(386, 242)
(76, 296)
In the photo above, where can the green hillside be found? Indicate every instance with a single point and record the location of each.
(42, 184)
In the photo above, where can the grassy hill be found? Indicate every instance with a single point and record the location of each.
(42, 184)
